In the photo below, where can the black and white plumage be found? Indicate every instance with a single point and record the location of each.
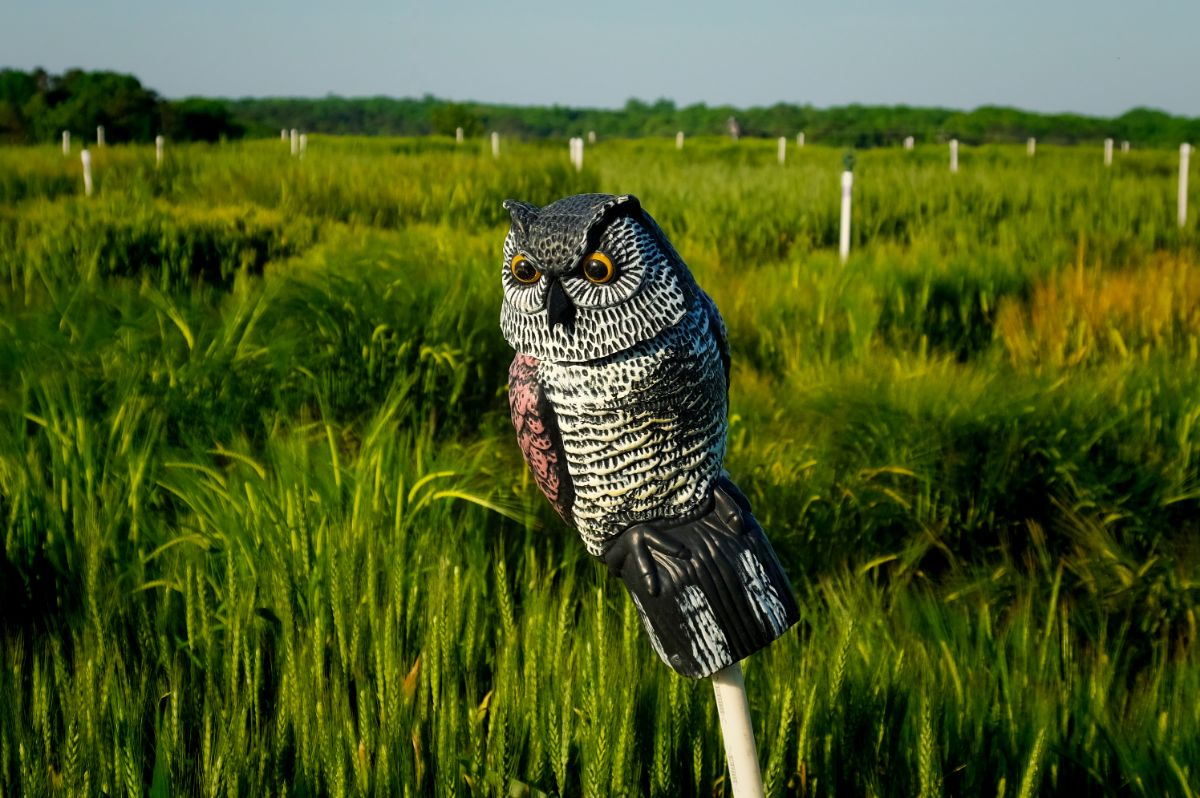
(618, 393)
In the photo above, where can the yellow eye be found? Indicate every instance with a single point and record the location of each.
(598, 268)
(523, 270)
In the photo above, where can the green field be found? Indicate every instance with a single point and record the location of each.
(266, 530)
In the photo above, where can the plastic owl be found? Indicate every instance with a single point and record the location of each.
(619, 396)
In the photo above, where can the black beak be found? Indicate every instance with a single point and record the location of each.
(559, 309)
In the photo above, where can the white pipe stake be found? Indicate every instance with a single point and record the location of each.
(66, 142)
(303, 144)
(844, 230)
(800, 139)
(86, 157)
(295, 141)
(1124, 146)
(283, 136)
(953, 155)
(909, 142)
(679, 140)
(591, 137)
(99, 135)
(1030, 145)
(158, 150)
(1108, 145)
(737, 732)
(458, 135)
(495, 144)
(576, 149)
(782, 149)
(1185, 151)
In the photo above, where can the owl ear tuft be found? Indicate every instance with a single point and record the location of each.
(622, 205)
(522, 214)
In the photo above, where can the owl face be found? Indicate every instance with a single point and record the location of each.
(587, 277)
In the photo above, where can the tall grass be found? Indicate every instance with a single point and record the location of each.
(265, 530)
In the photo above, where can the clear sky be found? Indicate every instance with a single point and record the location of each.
(1098, 57)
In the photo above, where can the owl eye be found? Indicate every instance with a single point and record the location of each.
(598, 268)
(523, 270)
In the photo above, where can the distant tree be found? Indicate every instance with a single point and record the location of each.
(199, 119)
(447, 118)
(16, 90)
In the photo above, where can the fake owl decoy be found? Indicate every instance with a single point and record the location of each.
(619, 396)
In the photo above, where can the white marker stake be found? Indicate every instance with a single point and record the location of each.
(1185, 151)
(844, 233)
(909, 142)
(953, 155)
(458, 135)
(66, 142)
(86, 157)
(303, 144)
(576, 150)
(679, 140)
(591, 137)
(800, 139)
(158, 151)
(782, 150)
(99, 135)
(1030, 146)
(740, 752)
(495, 144)
(1108, 152)
(1124, 146)
(283, 134)
(295, 141)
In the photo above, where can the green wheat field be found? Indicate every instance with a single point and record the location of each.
(267, 532)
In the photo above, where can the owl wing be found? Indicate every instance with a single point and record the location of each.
(538, 435)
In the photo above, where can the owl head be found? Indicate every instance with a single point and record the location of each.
(587, 277)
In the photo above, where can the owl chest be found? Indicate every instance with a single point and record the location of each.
(643, 434)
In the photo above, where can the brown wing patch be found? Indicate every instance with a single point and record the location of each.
(538, 435)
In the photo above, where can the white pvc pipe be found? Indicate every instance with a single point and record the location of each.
(844, 229)
(66, 142)
(158, 150)
(576, 150)
(782, 150)
(303, 144)
(458, 135)
(679, 140)
(737, 732)
(99, 135)
(800, 140)
(1185, 151)
(86, 158)
(591, 137)
(1124, 146)
(1108, 145)
(1030, 146)
(909, 142)
(953, 155)
(295, 141)
(283, 136)
(495, 144)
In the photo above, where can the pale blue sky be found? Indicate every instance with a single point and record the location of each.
(1098, 57)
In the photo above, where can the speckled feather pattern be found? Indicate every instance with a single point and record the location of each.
(643, 431)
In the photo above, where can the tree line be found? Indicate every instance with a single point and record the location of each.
(36, 106)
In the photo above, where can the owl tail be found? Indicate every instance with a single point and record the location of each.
(710, 590)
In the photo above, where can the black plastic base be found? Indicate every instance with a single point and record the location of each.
(710, 590)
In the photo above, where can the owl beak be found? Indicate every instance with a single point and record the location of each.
(559, 309)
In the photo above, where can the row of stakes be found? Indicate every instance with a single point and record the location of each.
(299, 144)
